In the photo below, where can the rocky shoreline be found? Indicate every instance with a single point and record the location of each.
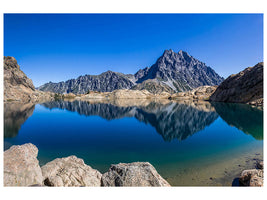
(21, 168)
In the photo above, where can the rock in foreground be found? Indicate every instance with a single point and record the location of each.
(21, 167)
(70, 171)
(133, 174)
(244, 87)
(252, 177)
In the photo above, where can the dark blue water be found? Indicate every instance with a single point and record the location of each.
(188, 143)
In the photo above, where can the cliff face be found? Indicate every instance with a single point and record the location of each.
(172, 72)
(17, 86)
(244, 87)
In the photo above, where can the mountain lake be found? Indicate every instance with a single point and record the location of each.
(189, 143)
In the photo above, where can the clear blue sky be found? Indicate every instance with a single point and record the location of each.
(52, 47)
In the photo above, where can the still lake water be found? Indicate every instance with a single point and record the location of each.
(189, 143)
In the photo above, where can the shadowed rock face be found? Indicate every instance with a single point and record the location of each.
(244, 87)
(15, 114)
(171, 120)
(244, 117)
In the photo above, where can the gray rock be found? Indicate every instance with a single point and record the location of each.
(70, 171)
(244, 87)
(21, 167)
(252, 177)
(132, 174)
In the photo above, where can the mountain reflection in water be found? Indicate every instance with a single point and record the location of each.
(172, 120)
(15, 114)
(246, 118)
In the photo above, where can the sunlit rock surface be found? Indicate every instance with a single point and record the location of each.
(21, 167)
(133, 174)
(70, 171)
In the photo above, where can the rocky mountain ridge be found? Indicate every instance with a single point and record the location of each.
(172, 72)
(105, 82)
(244, 87)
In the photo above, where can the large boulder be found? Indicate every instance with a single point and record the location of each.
(21, 167)
(244, 87)
(70, 171)
(133, 174)
(252, 177)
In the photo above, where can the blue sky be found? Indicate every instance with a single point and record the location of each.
(51, 47)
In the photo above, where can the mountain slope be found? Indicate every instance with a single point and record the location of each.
(153, 86)
(244, 87)
(180, 71)
(172, 72)
(105, 82)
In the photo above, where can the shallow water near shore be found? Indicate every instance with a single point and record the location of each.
(189, 143)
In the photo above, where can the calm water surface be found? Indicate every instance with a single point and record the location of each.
(189, 143)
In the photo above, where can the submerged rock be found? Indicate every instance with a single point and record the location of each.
(21, 167)
(252, 177)
(133, 174)
(70, 171)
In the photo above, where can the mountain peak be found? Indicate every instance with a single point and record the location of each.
(183, 53)
(168, 52)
